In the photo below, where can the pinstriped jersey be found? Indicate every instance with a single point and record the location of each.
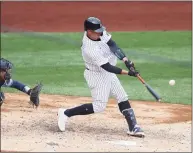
(96, 53)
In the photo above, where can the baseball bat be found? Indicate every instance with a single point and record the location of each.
(149, 88)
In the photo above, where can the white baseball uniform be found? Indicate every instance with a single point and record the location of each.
(102, 83)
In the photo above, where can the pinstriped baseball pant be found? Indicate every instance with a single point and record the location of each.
(102, 86)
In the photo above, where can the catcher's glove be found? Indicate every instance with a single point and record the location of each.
(34, 95)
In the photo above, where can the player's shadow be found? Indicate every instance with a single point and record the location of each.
(96, 130)
(50, 127)
(82, 128)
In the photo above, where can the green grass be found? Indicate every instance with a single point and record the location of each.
(160, 56)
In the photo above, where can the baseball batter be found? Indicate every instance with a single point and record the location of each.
(6, 81)
(100, 55)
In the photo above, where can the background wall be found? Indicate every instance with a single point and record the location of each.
(124, 16)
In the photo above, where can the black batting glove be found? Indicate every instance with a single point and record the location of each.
(129, 64)
(133, 72)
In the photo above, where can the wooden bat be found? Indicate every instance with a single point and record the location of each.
(153, 93)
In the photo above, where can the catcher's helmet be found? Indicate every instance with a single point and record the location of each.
(93, 23)
(5, 64)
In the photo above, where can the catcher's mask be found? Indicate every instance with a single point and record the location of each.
(6, 66)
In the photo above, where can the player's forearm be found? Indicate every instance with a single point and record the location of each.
(116, 50)
(125, 59)
(113, 69)
(110, 68)
(19, 86)
(124, 72)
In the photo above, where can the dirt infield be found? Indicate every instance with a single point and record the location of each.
(167, 126)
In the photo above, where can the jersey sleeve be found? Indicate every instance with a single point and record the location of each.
(96, 57)
(7, 83)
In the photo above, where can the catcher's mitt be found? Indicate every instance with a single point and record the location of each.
(34, 95)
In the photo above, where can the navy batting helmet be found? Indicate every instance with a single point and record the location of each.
(93, 23)
(5, 64)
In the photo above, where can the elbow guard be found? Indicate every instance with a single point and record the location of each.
(115, 49)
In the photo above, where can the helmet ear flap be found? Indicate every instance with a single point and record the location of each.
(88, 25)
(85, 27)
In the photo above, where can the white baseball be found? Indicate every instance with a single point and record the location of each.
(172, 82)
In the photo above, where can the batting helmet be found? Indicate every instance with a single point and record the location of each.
(93, 23)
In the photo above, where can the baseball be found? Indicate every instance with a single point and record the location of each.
(172, 82)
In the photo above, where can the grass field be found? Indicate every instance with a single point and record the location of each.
(160, 56)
